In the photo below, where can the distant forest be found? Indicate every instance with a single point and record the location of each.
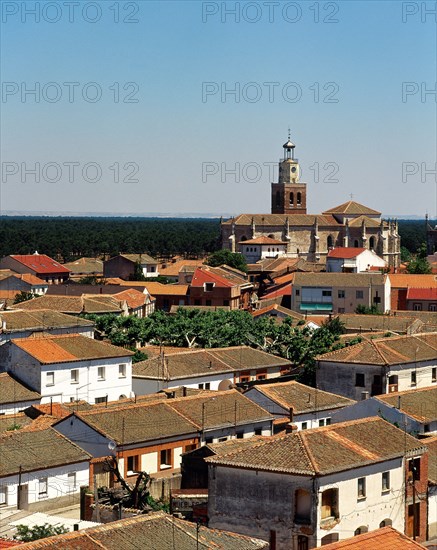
(67, 239)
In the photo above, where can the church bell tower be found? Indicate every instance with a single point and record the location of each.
(289, 195)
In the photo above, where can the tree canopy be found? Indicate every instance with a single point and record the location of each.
(232, 259)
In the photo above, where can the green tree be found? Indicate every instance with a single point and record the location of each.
(405, 254)
(23, 296)
(232, 259)
(419, 264)
(138, 274)
(27, 534)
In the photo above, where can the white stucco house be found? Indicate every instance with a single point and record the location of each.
(262, 248)
(15, 396)
(313, 487)
(209, 369)
(69, 368)
(304, 406)
(353, 260)
(380, 366)
(40, 469)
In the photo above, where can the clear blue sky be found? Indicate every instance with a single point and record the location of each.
(338, 85)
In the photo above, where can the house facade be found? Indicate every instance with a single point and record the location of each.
(210, 369)
(313, 487)
(379, 366)
(40, 470)
(324, 293)
(69, 368)
(15, 396)
(124, 266)
(40, 265)
(353, 260)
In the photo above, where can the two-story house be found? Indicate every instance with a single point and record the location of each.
(39, 265)
(69, 367)
(382, 365)
(353, 260)
(220, 286)
(124, 266)
(312, 487)
(324, 293)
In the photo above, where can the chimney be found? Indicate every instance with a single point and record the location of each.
(290, 428)
(184, 391)
(364, 395)
(291, 414)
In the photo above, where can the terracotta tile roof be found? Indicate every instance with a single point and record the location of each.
(73, 304)
(402, 325)
(422, 293)
(345, 252)
(159, 289)
(40, 263)
(7, 421)
(420, 403)
(274, 292)
(262, 240)
(219, 409)
(270, 220)
(233, 445)
(300, 397)
(352, 207)
(272, 308)
(12, 390)
(43, 319)
(338, 279)
(142, 258)
(287, 278)
(134, 298)
(221, 276)
(204, 362)
(386, 538)
(431, 444)
(172, 269)
(405, 280)
(369, 222)
(85, 265)
(28, 278)
(387, 351)
(66, 348)
(153, 531)
(28, 449)
(322, 451)
(135, 423)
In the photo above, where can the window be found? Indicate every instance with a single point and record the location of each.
(341, 310)
(321, 422)
(133, 463)
(42, 487)
(50, 379)
(413, 522)
(209, 287)
(304, 425)
(122, 370)
(385, 523)
(122, 396)
(359, 294)
(3, 496)
(302, 542)
(361, 487)
(165, 459)
(385, 481)
(71, 477)
(414, 469)
(327, 539)
(372, 243)
(302, 510)
(197, 302)
(297, 293)
(361, 530)
(330, 504)
(328, 421)
(240, 435)
(417, 307)
(356, 243)
(326, 293)
(200, 386)
(413, 377)
(329, 241)
(434, 374)
(359, 380)
(341, 294)
(74, 376)
(208, 303)
(299, 199)
(258, 431)
(100, 399)
(432, 307)
(226, 302)
(101, 373)
(207, 385)
(291, 199)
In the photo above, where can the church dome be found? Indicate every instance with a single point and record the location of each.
(289, 145)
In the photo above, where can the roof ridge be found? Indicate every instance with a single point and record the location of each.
(310, 456)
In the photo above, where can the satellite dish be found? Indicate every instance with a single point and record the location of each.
(112, 445)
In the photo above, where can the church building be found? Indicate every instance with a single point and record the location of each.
(290, 231)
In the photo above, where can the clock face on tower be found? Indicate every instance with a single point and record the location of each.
(293, 169)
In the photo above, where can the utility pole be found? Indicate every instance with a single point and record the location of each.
(19, 489)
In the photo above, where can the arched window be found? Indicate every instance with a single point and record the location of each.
(330, 504)
(122, 396)
(330, 241)
(278, 198)
(297, 251)
(385, 523)
(356, 243)
(372, 243)
(291, 199)
(299, 199)
(271, 236)
(361, 530)
(244, 238)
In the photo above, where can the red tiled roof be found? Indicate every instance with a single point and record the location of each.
(405, 280)
(284, 291)
(345, 252)
(422, 293)
(40, 263)
(386, 538)
(207, 275)
(351, 207)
